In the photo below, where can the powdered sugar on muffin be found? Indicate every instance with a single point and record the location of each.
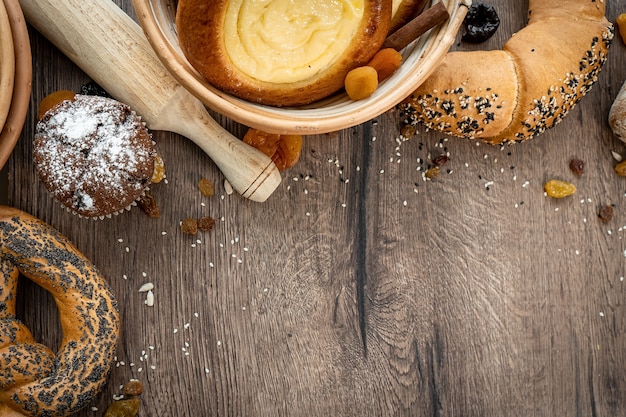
(94, 155)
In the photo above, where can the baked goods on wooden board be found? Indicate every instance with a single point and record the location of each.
(280, 53)
(516, 93)
(35, 381)
(94, 155)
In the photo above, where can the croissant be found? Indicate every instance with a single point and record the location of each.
(530, 85)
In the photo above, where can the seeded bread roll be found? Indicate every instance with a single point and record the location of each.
(405, 10)
(280, 53)
(34, 380)
(516, 93)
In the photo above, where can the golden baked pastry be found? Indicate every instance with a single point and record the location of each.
(513, 94)
(34, 381)
(278, 52)
(403, 11)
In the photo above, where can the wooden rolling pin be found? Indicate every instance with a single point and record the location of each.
(111, 48)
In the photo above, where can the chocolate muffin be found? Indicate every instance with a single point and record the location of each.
(94, 155)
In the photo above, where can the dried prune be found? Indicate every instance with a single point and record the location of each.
(481, 22)
(93, 89)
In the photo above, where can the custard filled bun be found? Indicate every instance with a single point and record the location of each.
(280, 52)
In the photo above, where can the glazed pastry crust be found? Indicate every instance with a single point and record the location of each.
(34, 380)
(201, 27)
(516, 93)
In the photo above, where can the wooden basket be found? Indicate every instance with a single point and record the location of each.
(15, 94)
(157, 18)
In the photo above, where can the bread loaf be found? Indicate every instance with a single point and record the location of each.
(516, 93)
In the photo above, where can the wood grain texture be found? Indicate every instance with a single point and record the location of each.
(358, 288)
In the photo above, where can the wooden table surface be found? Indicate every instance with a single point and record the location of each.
(358, 288)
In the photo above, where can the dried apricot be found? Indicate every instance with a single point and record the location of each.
(621, 26)
(559, 189)
(361, 82)
(386, 62)
(284, 150)
(52, 99)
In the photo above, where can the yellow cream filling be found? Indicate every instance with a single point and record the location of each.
(285, 41)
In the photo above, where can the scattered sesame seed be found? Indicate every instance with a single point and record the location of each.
(146, 287)
(150, 299)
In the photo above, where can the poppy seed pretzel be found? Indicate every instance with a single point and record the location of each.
(530, 85)
(34, 381)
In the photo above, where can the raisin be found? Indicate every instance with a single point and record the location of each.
(206, 187)
(149, 205)
(93, 89)
(441, 160)
(123, 408)
(206, 223)
(559, 189)
(577, 166)
(284, 150)
(132, 387)
(481, 22)
(189, 226)
(158, 174)
(408, 131)
(620, 169)
(432, 173)
(605, 214)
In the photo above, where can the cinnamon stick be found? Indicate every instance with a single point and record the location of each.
(425, 21)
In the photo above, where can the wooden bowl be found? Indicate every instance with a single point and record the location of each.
(7, 64)
(20, 100)
(157, 18)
